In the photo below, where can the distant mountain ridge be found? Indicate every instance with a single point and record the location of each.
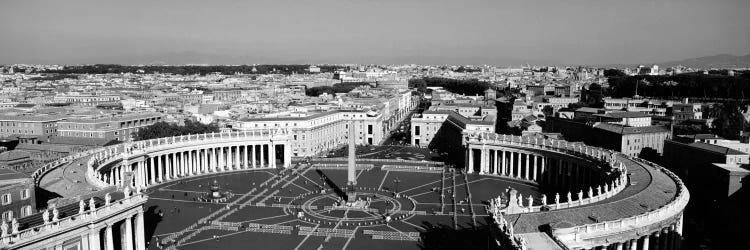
(720, 61)
(708, 62)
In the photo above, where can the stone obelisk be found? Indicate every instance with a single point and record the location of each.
(351, 171)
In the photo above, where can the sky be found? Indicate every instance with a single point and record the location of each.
(500, 32)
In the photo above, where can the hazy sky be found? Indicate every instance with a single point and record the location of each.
(373, 31)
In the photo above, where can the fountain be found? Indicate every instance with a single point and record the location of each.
(215, 195)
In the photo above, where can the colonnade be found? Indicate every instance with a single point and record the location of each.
(525, 165)
(166, 165)
(102, 235)
(666, 238)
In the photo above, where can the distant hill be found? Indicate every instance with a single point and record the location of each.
(708, 62)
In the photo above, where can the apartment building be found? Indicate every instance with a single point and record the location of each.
(319, 131)
(16, 195)
(31, 128)
(109, 127)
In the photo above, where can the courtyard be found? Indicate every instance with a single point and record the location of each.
(297, 209)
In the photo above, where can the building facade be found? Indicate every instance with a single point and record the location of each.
(17, 198)
(28, 126)
(318, 133)
(119, 128)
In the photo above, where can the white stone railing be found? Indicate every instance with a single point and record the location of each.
(671, 210)
(602, 192)
(12, 238)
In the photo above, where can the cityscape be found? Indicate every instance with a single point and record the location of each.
(374, 125)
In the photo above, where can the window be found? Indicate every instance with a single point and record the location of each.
(24, 194)
(8, 215)
(6, 199)
(26, 211)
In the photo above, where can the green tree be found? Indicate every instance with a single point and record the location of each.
(729, 121)
(548, 111)
(419, 84)
(164, 129)
(613, 73)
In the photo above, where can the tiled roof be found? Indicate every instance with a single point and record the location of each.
(30, 118)
(716, 148)
(13, 155)
(9, 174)
(621, 129)
(625, 115)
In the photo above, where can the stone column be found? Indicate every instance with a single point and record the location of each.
(495, 171)
(152, 169)
(110, 242)
(244, 156)
(482, 159)
(127, 236)
(656, 240)
(191, 163)
(139, 180)
(470, 165)
(272, 155)
(140, 236)
(645, 244)
(633, 245)
(237, 158)
(169, 164)
(200, 161)
(85, 242)
(210, 158)
(665, 240)
(677, 235)
(183, 164)
(288, 154)
(227, 157)
(534, 170)
(618, 246)
(186, 163)
(215, 160)
(182, 161)
(252, 156)
(502, 164)
(254, 148)
(159, 171)
(542, 169)
(230, 158)
(204, 160)
(93, 239)
(526, 173)
(511, 167)
(219, 160)
(134, 169)
(263, 152)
